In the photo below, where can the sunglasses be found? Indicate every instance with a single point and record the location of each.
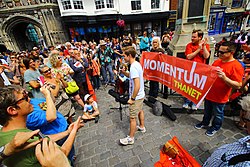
(59, 57)
(25, 97)
(221, 52)
(47, 70)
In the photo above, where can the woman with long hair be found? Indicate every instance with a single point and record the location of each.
(154, 85)
(60, 68)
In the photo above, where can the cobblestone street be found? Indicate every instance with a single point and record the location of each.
(97, 145)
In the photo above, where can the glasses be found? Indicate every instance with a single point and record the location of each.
(25, 97)
(222, 52)
(59, 57)
(12, 57)
(47, 70)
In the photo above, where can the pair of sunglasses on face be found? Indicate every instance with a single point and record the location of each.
(25, 97)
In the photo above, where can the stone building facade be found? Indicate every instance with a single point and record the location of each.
(17, 15)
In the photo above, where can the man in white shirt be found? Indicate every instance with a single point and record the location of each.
(136, 94)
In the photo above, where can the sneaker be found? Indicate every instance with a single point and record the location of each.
(97, 118)
(127, 141)
(210, 132)
(194, 107)
(143, 130)
(186, 106)
(199, 126)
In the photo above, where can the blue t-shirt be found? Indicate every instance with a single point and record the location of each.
(89, 108)
(144, 42)
(37, 120)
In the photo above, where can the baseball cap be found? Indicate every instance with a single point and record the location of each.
(86, 97)
(35, 48)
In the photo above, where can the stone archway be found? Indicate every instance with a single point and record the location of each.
(14, 28)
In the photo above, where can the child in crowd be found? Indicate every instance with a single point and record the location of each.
(90, 110)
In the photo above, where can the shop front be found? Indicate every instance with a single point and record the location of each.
(232, 22)
(91, 28)
(216, 19)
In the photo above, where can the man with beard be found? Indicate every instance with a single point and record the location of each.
(198, 51)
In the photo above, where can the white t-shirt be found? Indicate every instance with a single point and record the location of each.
(136, 72)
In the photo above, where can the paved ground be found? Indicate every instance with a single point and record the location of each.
(97, 145)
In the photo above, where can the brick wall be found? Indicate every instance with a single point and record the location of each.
(173, 4)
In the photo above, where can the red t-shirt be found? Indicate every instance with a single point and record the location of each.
(220, 91)
(190, 48)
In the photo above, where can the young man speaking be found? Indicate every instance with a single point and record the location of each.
(136, 94)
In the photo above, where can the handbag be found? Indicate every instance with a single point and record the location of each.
(72, 87)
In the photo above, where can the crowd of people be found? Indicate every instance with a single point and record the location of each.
(39, 89)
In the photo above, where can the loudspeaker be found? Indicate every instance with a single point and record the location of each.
(157, 108)
(160, 108)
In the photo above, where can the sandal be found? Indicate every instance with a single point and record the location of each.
(241, 127)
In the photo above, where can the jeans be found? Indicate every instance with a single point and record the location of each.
(104, 70)
(190, 103)
(96, 81)
(153, 88)
(216, 109)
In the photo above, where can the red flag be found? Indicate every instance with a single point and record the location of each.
(90, 88)
(191, 79)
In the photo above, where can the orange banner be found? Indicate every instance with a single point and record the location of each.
(191, 79)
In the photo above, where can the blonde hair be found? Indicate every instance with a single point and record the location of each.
(53, 58)
(158, 40)
(245, 103)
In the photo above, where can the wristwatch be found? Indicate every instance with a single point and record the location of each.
(2, 155)
(132, 98)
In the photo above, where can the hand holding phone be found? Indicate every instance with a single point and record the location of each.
(41, 80)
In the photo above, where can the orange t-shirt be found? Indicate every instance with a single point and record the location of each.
(190, 48)
(220, 91)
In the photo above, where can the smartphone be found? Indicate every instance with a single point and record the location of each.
(41, 136)
(41, 80)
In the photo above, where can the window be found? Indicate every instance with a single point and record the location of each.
(236, 3)
(136, 4)
(99, 4)
(110, 3)
(78, 4)
(155, 4)
(66, 4)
